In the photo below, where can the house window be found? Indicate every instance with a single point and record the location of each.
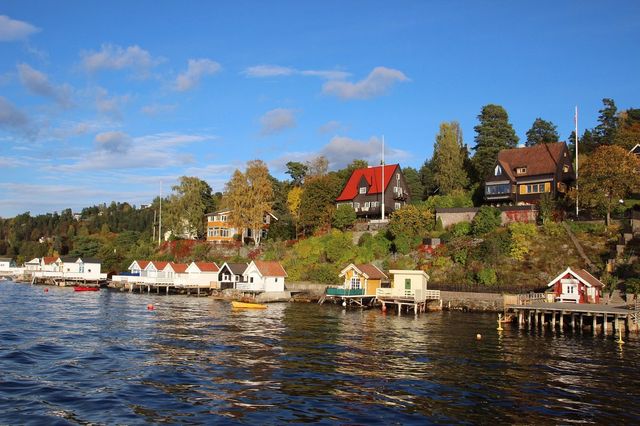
(565, 168)
(521, 170)
(397, 206)
(210, 232)
(375, 204)
(251, 280)
(355, 282)
(367, 205)
(275, 280)
(363, 189)
(267, 219)
(503, 188)
(356, 206)
(225, 277)
(535, 188)
(497, 171)
(397, 176)
(223, 218)
(407, 283)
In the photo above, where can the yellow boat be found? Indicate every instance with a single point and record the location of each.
(245, 305)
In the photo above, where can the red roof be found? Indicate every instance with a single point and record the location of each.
(207, 266)
(142, 263)
(371, 271)
(270, 268)
(373, 175)
(178, 267)
(586, 276)
(538, 159)
(48, 260)
(159, 265)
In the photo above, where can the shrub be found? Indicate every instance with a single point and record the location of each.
(344, 217)
(521, 235)
(487, 277)
(338, 246)
(552, 229)
(364, 239)
(460, 256)
(486, 220)
(460, 229)
(493, 247)
(457, 198)
(411, 221)
(323, 273)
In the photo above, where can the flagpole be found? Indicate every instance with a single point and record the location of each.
(576, 142)
(383, 188)
(160, 219)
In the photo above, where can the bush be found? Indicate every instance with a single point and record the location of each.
(487, 277)
(461, 229)
(457, 198)
(411, 221)
(521, 235)
(323, 273)
(552, 229)
(402, 244)
(486, 220)
(493, 247)
(344, 217)
(338, 246)
(364, 239)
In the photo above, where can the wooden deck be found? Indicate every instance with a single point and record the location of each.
(361, 301)
(575, 316)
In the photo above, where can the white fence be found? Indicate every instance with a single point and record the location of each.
(418, 295)
(76, 276)
(177, 280)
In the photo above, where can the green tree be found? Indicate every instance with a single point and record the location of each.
(542, 131)
(606, 177)
(448, 159)
(628, 134)
(191, 200)
(297, 171)
(411, 221)
(344, 217)
(486, 220)
(428, 180)
(605, 132)
(493, 133)
(318, 201)
(412, 177)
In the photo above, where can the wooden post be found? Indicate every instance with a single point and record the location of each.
(593, 325)
(553, 320)
(561, 320)
(581, 321)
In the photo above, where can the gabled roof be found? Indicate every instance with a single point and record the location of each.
(91, 260)
(178, 268)
(48, 260)
(157, 264)
(270, 268)
(369, 271)
(236, 268)
(373, 176)
(207, 266)
(141, 263)
(5, 259)
(539, 159)
(580, 274)
(70, 259)
(636, 149)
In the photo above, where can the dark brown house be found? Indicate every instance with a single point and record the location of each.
(364, 191)
(522, 175)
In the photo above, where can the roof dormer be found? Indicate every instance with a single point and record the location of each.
(498, 170)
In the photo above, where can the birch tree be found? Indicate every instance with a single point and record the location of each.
(448, 159)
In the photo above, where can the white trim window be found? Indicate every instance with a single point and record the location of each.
(497, 171)
(363, 189)
(355, 282)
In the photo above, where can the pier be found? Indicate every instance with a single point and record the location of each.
(575, 317)
(409, 300)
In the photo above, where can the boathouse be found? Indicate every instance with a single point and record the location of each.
(260, 275)
(230, 274)
(408, 289)
(359, 279)
(577, 286)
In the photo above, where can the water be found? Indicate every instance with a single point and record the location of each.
(102, 358)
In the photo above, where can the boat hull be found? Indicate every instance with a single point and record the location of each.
(244, 305)
(80, 288)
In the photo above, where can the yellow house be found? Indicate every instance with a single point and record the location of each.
(360, 279)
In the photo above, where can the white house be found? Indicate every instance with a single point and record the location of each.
(137, 266)
(154, 269)
(173, 270)
(577, 286)
(32, 265)
(263, 276)
(7, 263)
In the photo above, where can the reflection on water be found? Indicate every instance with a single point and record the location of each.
(83, 358)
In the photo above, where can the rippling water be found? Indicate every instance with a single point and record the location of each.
(102, 358)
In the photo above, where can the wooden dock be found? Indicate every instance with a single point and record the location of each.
(361, 301)
(167, 287)
(408, 301)
(63, 281)
(577, 317)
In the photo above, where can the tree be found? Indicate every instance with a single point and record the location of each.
(493, 133)
(606, 177)
(412, 177)
(187, 206)
(318, 166)
(542, 131)
(250, 196)
(297, 171)
(293, 203)
(344, 217)
(318, 201)
(605, 132)
(448, 159)
(427, 179)
(486, 220)
(628, 134)
(411, 221)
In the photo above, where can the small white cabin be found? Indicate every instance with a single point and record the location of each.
(264, 276)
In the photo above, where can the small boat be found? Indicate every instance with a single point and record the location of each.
(85, 288)
(246, 305)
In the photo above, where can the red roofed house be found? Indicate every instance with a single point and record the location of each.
(263, 275)
(577, 286)
(172, 269)
(522, 175)
(364, 191)
(137, 266)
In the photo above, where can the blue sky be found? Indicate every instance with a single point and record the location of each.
(102, 101)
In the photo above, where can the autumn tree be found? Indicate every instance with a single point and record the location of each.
(493, 133)
(542, 131)
(249, 196)
(606, 177)
(628, 134)
(343, 217)
(293, 203)
(319, 166)
(448, 159)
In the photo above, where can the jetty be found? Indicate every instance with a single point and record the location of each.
(558, 315)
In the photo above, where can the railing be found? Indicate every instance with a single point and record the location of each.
(416, 294)
(339, 291)
(249, 286)
(432, 294)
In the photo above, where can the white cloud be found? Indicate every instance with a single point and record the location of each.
(196, 69)
(110, 106)
(11, 118)
(112, 57)
(12, 29)
(261, 71)
(7, 162)
(157, 109)
(277, 120)
(342, 150)
(38, 83)
(332, 126)
(377, 83)
(113, 142)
